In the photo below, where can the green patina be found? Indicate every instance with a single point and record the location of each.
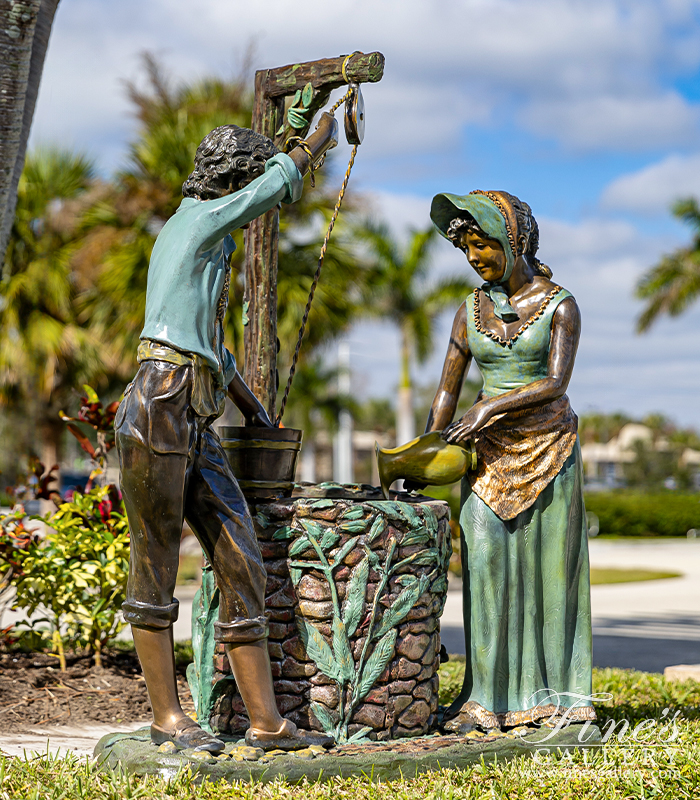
(312, 551)
(523, 361)
(134, 753)
(201, 673)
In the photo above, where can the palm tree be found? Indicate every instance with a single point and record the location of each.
(400, 290)
(46, 349)
(24, 37)
(674, 283)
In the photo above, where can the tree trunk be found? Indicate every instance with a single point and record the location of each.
(24, 38)
(405, 419)
(50, 455)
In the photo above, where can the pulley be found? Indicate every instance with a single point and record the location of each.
(355, 116)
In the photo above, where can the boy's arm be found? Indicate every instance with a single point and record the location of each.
(281, 182)
(249, 405)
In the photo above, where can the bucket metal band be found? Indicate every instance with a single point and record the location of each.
(261, 444)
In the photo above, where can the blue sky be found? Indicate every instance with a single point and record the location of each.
(589, 111)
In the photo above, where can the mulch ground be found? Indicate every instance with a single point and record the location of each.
(34, 692)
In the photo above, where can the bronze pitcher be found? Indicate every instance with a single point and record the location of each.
(429, 459)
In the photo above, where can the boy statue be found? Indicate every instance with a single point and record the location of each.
(172, 464)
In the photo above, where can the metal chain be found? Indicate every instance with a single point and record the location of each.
(317, 276)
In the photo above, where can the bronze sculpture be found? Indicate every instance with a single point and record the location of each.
(172, 463)
(524, 543)
(426, 460)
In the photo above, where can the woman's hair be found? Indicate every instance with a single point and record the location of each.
(226, 158)
(462, 224)
(527, 226)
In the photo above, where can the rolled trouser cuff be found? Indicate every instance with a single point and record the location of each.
(147, 615)
(241, 630)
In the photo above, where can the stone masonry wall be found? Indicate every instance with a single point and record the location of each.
(326, 560)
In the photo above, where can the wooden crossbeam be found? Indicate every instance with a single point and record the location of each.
(272, 86)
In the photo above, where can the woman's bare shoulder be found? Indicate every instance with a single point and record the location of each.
(459, 327)
(567, 312)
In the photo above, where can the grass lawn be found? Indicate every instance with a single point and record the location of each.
(666, 764)
(601, 575)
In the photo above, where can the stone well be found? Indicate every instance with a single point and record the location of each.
(355, 590)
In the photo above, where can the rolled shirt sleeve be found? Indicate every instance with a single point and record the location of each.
(293, 179)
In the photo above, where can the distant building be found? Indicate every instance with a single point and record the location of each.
(603, 463)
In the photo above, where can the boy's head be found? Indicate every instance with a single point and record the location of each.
(227, 160)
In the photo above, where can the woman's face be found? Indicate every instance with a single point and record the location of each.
(485, 255)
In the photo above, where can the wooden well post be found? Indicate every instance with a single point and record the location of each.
(272, 87)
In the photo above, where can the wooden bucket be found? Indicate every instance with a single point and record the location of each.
(263, 459)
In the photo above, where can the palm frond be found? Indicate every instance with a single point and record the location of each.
(674, 283)
(670, 287)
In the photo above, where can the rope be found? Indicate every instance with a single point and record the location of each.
(297, 141)
(317, 276)
(345, 64)
(340, 102)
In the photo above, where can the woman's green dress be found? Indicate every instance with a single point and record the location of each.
(524, 545)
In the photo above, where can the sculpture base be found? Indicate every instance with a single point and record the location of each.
(399, 759)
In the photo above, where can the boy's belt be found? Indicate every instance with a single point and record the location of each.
(207, 397)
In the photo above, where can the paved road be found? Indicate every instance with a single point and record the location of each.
(648, 625)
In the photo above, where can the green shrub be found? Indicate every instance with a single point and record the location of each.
(629, 513)
(75, 577)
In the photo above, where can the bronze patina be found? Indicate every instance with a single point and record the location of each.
(173, 466)
(426, 460)
(524, 549)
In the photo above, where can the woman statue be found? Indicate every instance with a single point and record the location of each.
(527, 617)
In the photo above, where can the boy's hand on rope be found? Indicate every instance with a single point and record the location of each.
(308, 152)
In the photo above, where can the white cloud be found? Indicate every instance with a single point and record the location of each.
(653, 189)
(402, 211)
(586, 74)
(617, 122)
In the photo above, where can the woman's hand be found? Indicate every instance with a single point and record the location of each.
(475, 419)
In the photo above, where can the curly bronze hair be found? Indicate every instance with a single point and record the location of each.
(527, 227)
(228, 158)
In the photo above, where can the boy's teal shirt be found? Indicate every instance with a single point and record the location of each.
(187, 270)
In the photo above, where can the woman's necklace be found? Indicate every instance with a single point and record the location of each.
(509, 342)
